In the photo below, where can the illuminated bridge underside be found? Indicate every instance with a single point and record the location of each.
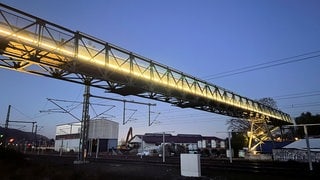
(32, 45)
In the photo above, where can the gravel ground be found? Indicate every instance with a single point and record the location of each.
(18, 166)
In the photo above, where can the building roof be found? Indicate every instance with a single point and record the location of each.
(302, 145)
(180, 138)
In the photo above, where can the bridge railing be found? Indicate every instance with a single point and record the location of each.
(29, 38)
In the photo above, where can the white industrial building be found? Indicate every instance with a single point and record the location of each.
(102, 136)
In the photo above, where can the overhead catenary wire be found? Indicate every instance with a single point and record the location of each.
(20, 112)
(269, 64)
(175, 118)
(24, 115)
(297, 95)
(301, 105)
(297, 58)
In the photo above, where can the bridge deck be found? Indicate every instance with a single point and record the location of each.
(36, 46)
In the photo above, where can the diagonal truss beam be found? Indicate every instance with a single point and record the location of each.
(33, 45)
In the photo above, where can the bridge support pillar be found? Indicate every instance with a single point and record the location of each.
(258, 133)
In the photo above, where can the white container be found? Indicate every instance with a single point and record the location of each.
(190, 165)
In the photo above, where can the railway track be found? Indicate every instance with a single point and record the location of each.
(289, 168)
(209, 166)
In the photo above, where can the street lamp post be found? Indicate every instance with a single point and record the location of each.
(308, 147)
(163, 144)
(305, 129)
(142, 147)
(163, 148)
(230, 149)
(229, 142)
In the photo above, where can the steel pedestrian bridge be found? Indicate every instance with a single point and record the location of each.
(33, 45)
(36, 46)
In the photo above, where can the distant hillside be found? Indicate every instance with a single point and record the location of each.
(21, 136)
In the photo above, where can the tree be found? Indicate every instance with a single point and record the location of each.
(238, 141)
(308, 118)
(268, 101)
(238, 125)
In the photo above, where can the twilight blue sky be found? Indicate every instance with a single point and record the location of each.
(201, 38)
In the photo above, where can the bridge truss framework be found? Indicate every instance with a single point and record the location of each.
(32, 45)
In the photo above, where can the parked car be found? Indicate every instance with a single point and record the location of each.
(144, 153)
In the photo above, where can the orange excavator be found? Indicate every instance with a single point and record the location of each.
(125, 145)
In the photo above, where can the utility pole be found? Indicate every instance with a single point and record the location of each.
(35, 136)
(4, 143)
(32, 126)
(308, 147)
(6, 127)
(229, 142)
(84, 123)
(305, 129)
(163, 147)
(8, 117)
(230, 149)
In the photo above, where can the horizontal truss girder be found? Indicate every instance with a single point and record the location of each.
(30, 44)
